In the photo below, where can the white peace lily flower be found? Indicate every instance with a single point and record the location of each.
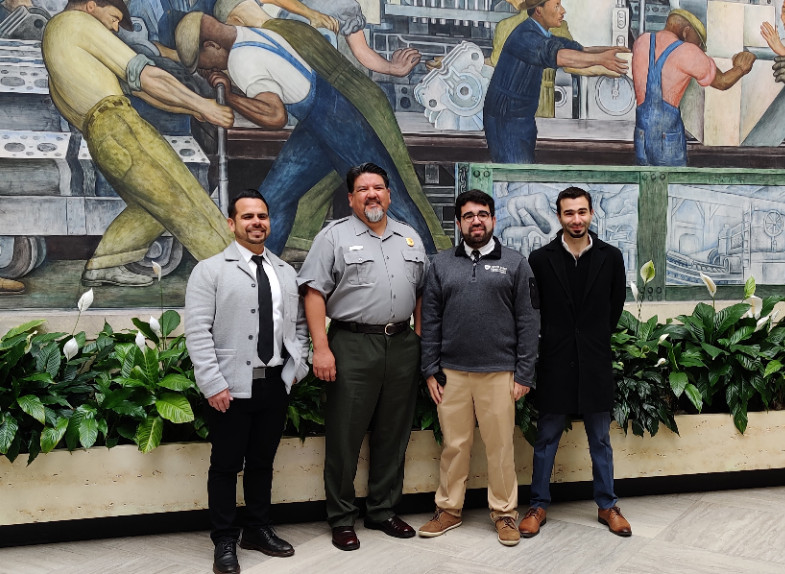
(773, 315)
(709, 284)
(157, 270)
(71, 348)
(663, 337)
(756, 304)
(155, 325)
(762, 322)
(634, 289)
(661, 362)
(140, 341)
(85, 301)
(647, 271)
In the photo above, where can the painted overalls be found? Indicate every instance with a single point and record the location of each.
(659, 130)
(331, 135)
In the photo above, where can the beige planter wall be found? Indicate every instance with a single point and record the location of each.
(121, 481)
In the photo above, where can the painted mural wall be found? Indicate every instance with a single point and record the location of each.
(412, 97)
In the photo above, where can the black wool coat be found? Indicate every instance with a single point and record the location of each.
(574, 371)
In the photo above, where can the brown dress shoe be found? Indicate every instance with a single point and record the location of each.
(532, 520)
(393, 526)
(613, 519)
(344, 538)
(440, 523)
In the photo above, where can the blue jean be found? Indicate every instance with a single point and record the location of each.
(331, 136)
(549, 430)
(511, 139)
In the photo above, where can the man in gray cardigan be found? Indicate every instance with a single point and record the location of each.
(479, 344)
(248, 340)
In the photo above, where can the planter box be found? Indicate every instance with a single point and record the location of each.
(121, 481)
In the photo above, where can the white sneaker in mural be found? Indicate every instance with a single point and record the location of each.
(119, 276)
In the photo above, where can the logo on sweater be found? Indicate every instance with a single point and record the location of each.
(496, 269)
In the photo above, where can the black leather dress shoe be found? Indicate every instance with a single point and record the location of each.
(265, 541)
(225, 557)
(393, 526)
(345, 538)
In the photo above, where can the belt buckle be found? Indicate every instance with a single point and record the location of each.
(388, 326)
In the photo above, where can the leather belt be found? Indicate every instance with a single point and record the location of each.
(389, 329)
(266, 372)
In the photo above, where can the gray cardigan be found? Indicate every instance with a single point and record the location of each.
(481, 318)
(221, 323)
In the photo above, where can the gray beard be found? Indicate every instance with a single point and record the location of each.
(374, 214)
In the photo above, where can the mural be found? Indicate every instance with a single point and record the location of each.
(526, 216)
(415, 74)
(728, 232)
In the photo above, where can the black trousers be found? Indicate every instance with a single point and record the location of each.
(245, 438)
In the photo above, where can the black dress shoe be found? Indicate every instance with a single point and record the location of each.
(345, 538)
(225, 557)
(265, 541)
(393, 526)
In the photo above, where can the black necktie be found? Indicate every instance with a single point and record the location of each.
(475, 256)
(264, 346)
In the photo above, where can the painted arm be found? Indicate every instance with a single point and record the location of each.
(401, 63)
(605, 57)
(316, 315)
(265, 109)
(161, 89)
(742, 64)
(317, 19)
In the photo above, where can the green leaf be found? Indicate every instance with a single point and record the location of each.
(148, 433)
(695, 396)
(146, 330)
(749, 288)
(48, 359)
(88, 432)
(176, 382)
(51, 436)
(169, 322)
(150, 367)
(741, 334)
(33, 406)
(713, 351)
(740, 419)
(678, 381)
(24, 328)
(8, 428)
(174, 408)
(773, 367)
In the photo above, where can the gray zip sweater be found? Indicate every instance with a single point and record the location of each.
(481, 317)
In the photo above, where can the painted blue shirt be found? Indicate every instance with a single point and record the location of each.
(514, 90)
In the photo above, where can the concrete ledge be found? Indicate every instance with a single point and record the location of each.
(121, 481)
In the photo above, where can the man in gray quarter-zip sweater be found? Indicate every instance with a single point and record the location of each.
(479, 344)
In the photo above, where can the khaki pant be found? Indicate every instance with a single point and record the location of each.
(159, 191)
(488, 399)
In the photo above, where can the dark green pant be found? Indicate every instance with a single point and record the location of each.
(377, 379)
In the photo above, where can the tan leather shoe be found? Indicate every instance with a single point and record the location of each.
(532, 520)
(613, 519)
(506, 531)
(11, 287)
(440, 523)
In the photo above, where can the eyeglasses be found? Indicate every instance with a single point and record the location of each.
(469, 217)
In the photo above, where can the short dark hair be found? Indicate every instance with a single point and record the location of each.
(474, 196)
(245, 194)
(366, 167)
(530, 11)
(572, 193)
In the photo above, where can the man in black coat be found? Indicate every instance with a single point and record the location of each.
(581, 282)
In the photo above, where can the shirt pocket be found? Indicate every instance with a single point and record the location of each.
(359, 267)
(414, 262)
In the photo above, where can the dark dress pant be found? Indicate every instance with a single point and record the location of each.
(245, 438)
(377, 378)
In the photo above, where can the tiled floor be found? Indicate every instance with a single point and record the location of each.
(725, 532)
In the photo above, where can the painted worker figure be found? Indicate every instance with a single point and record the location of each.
(334, 130)
(88, 67)
(581, 283)
(479, 345)
(248, 340)
(366, 273)
(663, 63)
(514, 91)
